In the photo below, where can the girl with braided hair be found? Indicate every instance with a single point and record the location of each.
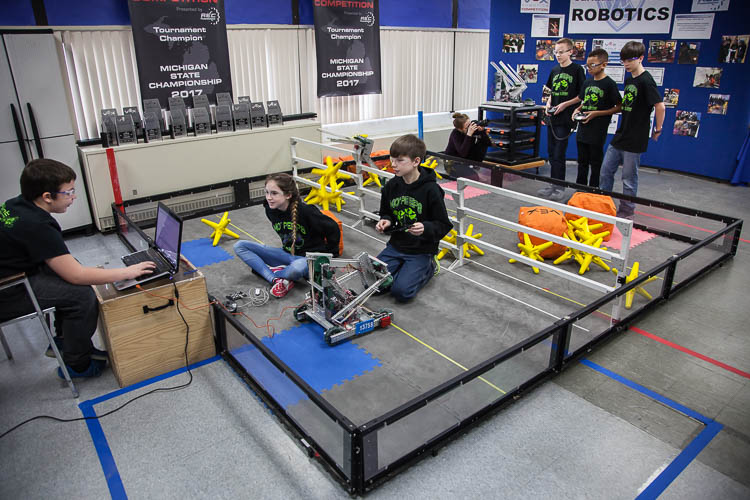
(301, 227)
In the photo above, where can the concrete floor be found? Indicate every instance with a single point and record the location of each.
(586, 433)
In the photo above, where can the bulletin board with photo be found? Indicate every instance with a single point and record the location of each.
(684, 68)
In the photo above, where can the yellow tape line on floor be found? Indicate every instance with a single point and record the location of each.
(446, 357)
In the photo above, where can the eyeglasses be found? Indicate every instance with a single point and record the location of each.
(69, 192)
(629, 60)
(560, 52)
(593, 65)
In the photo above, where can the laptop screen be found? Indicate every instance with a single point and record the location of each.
(168, 234)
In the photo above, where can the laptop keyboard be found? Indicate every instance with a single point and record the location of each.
(150, 255)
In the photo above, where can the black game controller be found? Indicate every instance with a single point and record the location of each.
(579, 117)
(552, 110)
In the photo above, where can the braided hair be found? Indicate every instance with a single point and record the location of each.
(288, 186)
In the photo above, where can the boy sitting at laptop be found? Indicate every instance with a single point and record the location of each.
(31, 241)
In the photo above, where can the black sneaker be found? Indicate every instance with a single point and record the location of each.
(94, 370)
(96, 354)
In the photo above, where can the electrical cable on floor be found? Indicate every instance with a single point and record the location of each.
(159, 389)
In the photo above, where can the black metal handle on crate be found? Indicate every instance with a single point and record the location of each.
(147, 309)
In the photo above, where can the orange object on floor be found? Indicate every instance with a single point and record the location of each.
(596, 203)
(544, 219)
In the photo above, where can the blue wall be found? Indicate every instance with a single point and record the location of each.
(472, 14)
(720, 137)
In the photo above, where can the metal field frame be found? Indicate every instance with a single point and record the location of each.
(360, 464)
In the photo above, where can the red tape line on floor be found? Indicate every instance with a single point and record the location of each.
(690, 352)
(683, 224)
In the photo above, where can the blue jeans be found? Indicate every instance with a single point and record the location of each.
(259, 257)
(556, 149)
(630, 162)
(410, 272)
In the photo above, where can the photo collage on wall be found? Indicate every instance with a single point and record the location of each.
(671, 97)
(709, 78)
(513, 42)
(545, 50)
(528, 72)
(579, 50)
(733, 48)
(718, 103)
(687, 123)
(688, 53)
(662, 51)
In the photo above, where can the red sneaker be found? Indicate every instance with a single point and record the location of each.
(281, 287)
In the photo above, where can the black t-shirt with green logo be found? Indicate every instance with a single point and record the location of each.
(638, 101)
(597, 95)
(565, 84)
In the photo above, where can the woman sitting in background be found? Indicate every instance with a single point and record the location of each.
(468, 140)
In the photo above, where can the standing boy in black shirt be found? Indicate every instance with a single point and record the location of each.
(565, 81)
(631, 139)
(600, 100)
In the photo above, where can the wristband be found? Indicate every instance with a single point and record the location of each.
(657, 131)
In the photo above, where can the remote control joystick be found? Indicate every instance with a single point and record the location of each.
(579, 117)
(552, 110)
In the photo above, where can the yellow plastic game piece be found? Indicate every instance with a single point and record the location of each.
(532, 251)
(471, 246)
(629, 295)
(431, 162)
(448, 238)
(328, 178)
(220, 228)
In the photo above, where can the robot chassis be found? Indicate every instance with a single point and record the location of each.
(340, 310)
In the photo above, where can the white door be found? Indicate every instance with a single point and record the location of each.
(11, 165)
(38, 78)
(63, 149)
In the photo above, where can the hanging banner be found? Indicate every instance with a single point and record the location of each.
(181, 49)
(619, 16)
(347, 46)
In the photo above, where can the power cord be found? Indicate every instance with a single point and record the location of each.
(159, 389)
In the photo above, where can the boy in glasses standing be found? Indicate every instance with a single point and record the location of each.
(631, 140)
(31, 242)
(600, 99)
(565, 82)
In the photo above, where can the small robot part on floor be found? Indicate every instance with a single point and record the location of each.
(338, 291)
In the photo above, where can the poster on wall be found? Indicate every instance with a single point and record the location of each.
(616, 17)
(657, 73)
(181, 50)
(543, 25)
(709, 5)
(612, 46)
(535, 6)
(692, 26)
(347, 47)
(617, 73)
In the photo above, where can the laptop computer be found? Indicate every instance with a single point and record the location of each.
(164, 250)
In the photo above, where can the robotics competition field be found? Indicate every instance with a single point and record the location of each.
(462, 317)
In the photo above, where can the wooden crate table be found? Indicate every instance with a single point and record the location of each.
(142, 344)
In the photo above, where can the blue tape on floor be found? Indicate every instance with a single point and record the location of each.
(103, 451)
(648, 392)
(201, 252)
(111, 474)
(679, 464)
(681, 461)
(284, 391)
(304, 350)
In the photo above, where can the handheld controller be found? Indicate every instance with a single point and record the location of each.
(579, 117)
(552, 110)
